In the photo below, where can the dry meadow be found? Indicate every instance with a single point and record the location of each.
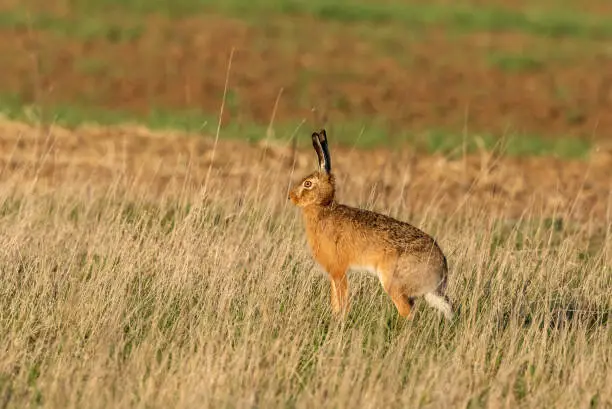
(164, 271)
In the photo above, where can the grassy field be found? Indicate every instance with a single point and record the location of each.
(112, 301)
(150, 257)
(389, 73)
(144, 273)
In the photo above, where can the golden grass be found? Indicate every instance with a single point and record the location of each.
(114, 296)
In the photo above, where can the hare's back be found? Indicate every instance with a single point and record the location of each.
(401, 235)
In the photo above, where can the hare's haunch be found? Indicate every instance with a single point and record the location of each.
(408, 262)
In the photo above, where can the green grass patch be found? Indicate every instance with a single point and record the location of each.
(514, 63)
(366, 134)
(538, 57)
(92, 66)
(513, 145)
(73, 115)
(83, 27)
(555, 22)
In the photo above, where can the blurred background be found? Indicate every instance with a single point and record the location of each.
(433, 74)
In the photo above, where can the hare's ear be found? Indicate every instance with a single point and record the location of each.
(319, 141)
(323, 140)
(323, 159)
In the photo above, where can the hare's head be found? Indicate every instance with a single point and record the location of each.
(318, 188)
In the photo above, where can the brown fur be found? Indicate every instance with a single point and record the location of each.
(408, 262)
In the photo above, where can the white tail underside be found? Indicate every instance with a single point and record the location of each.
(440, 304)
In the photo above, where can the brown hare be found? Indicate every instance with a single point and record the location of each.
(407, 261)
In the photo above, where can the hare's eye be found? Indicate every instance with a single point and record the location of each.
(307, 184)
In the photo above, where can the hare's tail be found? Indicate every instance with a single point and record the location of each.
(437, 299)
(440, 303)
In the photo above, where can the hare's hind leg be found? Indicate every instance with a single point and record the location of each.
(403, 304)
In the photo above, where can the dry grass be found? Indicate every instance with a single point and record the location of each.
(113, 296)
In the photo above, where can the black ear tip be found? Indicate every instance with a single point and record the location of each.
(323, 136)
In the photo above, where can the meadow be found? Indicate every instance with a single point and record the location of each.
(150, 257)
(139, 271)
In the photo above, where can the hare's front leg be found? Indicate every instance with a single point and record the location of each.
(339, 293)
